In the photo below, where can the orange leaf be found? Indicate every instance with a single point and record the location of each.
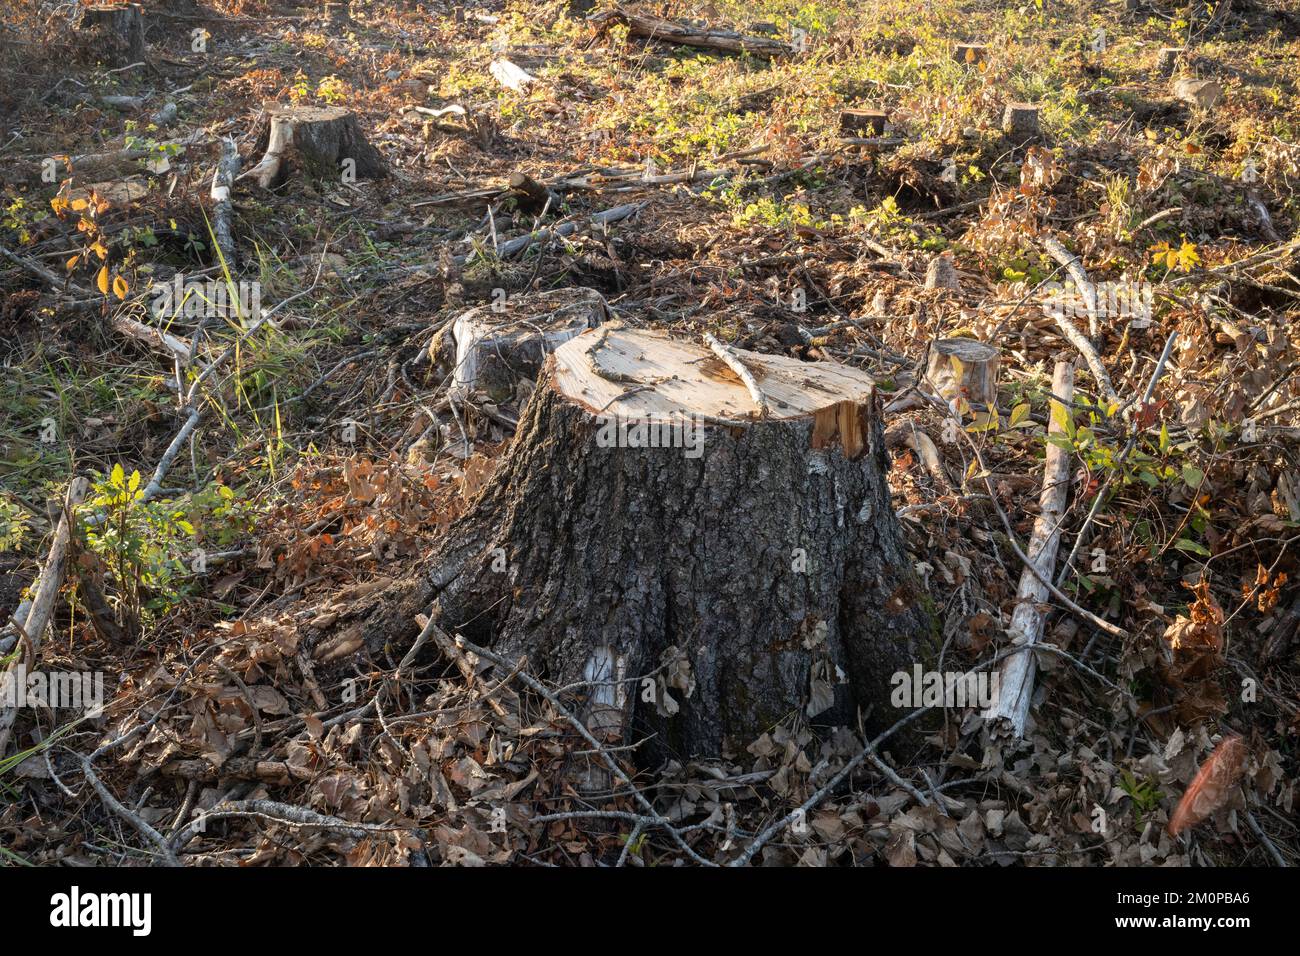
(101, 280)
(72, 263)
(120, 287)
(1212, 786)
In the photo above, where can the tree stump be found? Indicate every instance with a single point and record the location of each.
(490, 353)
(324, 141)
(964, 369)
(1020, 121)
(863, 121)
(338, 15)
(1168, 59)
(649, 520)
(530, 195)
(970, 53)
(941, 273)
(116, 31)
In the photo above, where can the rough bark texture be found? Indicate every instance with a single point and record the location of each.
(772, 561)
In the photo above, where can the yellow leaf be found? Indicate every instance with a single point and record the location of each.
(100, 250)
(101, 280)
(1018, 414)
(120, 288)
(79, 204)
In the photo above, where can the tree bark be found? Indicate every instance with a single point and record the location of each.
(750, 565)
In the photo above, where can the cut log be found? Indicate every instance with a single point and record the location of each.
(861, 121)
(1201, 94)
(964, 369)
(1016, 676)
(116, 33)
(669, 31)
(491, 353)
(1020, 121)
(319, 139)
(511, 76)
(970, 53)
(648, 518)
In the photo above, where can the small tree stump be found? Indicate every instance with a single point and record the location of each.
(964, 369)
(1167, 61)
(861, 121)
(970, 53)
(941, 273)
(530, 195)
(321, 139)
(646, 516)
(117, 32)
(490, 353)
(339, 15)
(1020, 121)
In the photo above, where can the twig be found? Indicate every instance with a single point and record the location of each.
(733, 362)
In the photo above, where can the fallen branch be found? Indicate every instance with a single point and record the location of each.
(223, 181)
(668, 31)
(46, 589)
(1069, 329)
(1016, 678)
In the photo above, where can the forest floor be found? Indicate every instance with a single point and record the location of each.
(245, 720)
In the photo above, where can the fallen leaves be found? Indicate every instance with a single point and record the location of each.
(1212, 786)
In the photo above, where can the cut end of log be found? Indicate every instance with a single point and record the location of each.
(648, 376)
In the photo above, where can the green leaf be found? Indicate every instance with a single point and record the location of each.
(1018, 414)
(1193, 476)
(1187, 544)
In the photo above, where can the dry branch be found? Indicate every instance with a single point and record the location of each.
(668, 31)
(45, 591)
(1016, 677)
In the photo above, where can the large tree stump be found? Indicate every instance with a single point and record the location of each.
(117, 32)
(650, 520)
(326, 142)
